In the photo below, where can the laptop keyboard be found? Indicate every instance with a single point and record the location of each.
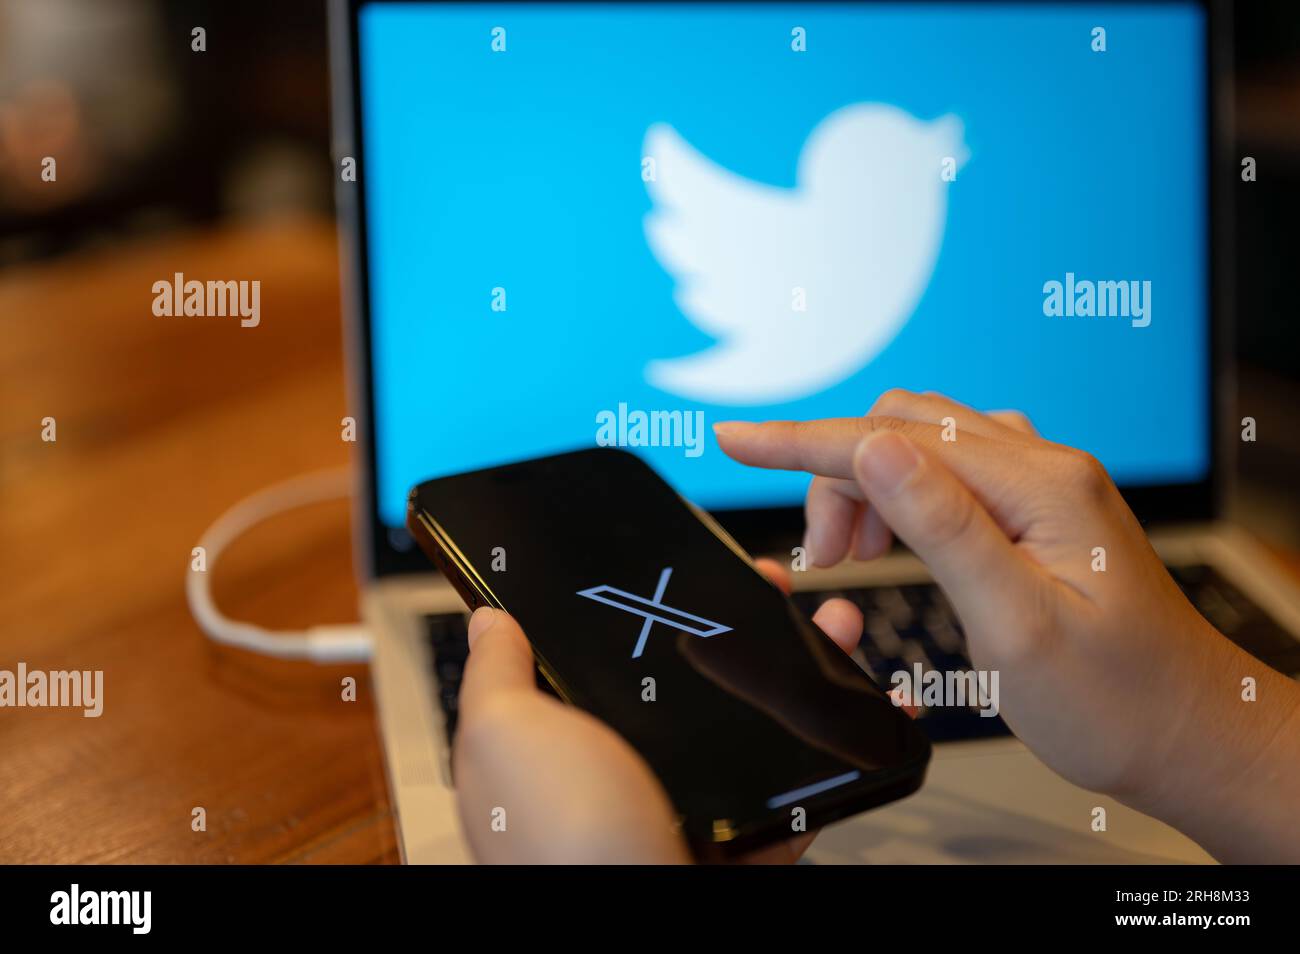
(914, 623)
(449, 645)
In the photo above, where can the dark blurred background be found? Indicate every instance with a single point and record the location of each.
(154, 137)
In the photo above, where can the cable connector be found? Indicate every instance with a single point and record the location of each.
(334, 643)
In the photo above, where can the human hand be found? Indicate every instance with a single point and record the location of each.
(571, 789)
(1112, 678)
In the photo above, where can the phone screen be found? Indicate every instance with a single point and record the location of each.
(643, 615)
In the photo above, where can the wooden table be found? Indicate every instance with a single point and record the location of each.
(161, 424)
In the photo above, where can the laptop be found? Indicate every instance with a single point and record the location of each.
(566, 215)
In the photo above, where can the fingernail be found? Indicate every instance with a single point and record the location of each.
(885, 461)
(730, 428)
(480, 623)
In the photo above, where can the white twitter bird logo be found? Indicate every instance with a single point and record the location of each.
(859, 235)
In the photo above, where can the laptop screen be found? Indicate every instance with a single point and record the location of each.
(619, 223)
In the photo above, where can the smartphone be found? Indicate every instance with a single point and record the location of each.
(644, 612)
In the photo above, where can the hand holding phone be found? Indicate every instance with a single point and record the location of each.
(642, 612)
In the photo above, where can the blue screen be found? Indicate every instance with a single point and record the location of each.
(621, 223)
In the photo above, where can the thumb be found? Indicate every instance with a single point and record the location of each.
(934, 513)
(500, 659)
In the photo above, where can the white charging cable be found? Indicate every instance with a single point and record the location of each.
(346, 642)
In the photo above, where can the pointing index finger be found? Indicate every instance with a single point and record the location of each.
(993, 470)
(822, 447)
